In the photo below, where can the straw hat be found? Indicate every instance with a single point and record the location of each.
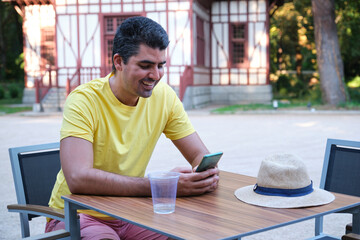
(283, 182)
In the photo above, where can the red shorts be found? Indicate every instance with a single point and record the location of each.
(94, 229)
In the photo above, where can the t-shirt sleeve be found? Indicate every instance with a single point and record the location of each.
(178, 125)
(78, 118)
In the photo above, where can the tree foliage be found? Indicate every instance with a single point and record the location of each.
(292, 37)
(11, 44)
(292, 43)
(348, 25)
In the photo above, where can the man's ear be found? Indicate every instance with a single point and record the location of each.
(118, 62)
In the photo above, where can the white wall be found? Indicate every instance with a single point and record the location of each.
(236, 11)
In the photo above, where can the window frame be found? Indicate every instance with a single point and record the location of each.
(47, 48)
(233, 40)
(116, 20)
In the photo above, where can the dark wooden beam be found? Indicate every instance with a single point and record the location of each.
(206, 3)
(30, 2)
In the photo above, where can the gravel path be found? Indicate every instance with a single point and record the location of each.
(245, 139)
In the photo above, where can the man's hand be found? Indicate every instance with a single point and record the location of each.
(193, 183)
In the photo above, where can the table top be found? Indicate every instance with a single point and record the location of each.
(216, 215)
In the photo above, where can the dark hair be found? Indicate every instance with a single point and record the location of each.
(135, 31)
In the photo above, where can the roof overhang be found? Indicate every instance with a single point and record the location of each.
(207, 3)
(21, 3)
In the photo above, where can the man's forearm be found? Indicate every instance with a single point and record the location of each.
(76, 157)
(192, 148)
(98, 182)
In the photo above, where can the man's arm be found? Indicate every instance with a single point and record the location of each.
(192, 148)
(191, 183)
(76, 157)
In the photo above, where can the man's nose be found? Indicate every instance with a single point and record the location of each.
(155, 74)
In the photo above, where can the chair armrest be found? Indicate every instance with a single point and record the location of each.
(62, 233)
(57, 214)
(351, 236)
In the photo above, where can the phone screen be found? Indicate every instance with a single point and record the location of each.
(209, 161)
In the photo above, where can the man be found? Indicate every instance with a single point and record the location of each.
(111, 126)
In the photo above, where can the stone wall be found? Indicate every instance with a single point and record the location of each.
(202, 96)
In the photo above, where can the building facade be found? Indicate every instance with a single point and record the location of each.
(218, 52)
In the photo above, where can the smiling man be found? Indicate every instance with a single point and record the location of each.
(111, 126)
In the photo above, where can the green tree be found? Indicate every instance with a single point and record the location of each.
(298, 14)
(348, 26)
(11, 44)
(291, 36)
(292, 48)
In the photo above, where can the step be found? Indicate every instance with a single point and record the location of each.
(54, 100)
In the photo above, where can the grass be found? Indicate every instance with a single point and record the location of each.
(296, 105)
(9, 109)
(5, 101)
(8, 106)
(350, 106)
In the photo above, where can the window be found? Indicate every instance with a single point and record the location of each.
(238, 43)
(200, 42)
(47, 51)
(109, 44)
(111, 23)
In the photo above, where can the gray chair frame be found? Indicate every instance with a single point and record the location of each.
(26, 209)
(340, 143)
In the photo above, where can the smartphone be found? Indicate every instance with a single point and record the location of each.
(209, 161)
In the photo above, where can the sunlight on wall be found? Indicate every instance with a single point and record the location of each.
(36, 18)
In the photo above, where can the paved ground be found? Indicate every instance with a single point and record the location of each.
(245, 139)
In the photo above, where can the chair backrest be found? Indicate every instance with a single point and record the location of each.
(341, 167)
(34, 170)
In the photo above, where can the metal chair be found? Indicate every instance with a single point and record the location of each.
(34, 170)
(340, 174)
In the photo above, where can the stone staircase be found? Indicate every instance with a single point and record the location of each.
(54, 100)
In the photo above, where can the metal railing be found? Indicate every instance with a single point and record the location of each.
(82, 75)
(43, 83)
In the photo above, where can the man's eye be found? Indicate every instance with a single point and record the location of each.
(161, 66)
(145, 66)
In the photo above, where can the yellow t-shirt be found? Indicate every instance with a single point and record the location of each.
(123, 137)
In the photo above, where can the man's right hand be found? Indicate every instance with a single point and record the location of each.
(196, 183)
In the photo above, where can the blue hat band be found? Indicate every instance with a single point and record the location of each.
(284, 192)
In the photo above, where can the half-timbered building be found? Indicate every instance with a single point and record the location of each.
(218, 52)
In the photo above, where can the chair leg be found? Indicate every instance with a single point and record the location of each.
(348, 228)
(356, 223)
(24, 222)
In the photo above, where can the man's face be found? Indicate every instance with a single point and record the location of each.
(141, 73)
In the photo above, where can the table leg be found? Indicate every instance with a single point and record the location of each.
(318, 225)
(71, 220)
